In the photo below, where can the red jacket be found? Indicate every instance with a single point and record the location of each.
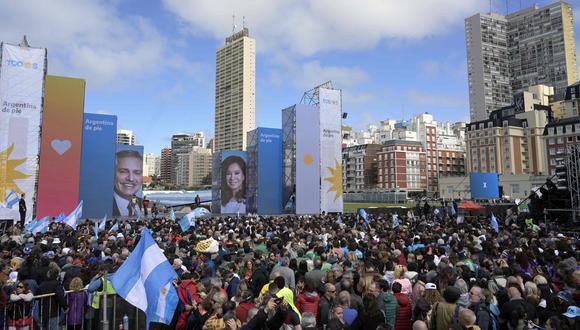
(403, 321)
(187, 293)
(242, 310)
(308, 303)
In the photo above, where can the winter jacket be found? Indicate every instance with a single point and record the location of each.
(258, 280)
(323, 311)
(389, 306)
(20, 306)
(187, 293)
(403, 321)
(50, 305)
(308, 302)
(421, 309)
(242, 310)
(77, 302)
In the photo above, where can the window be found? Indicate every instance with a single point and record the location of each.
(551, 141)
(570, 139)
(515, 188)
(552, 151)
(560, 140)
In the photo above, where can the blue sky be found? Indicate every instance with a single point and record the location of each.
(151, 63)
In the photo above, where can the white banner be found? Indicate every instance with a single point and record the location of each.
(307, 160)
(22, 75)
(330, 150)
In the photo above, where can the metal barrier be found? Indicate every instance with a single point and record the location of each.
(44, 312)
(375, 197)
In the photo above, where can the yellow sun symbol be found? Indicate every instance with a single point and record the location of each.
(8, 172)
(335, 179)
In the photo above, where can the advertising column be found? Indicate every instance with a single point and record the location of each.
(60, 156)
(330, 150)
(22, 74)
(97, 164)
(307, 159)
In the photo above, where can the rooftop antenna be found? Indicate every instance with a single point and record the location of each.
(233, 23)
(507, 11)
(490, 9)
(243, 22)
(24, 42)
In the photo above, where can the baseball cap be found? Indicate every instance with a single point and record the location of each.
(431, 286)
(572, 312)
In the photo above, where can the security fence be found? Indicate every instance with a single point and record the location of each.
(375, 197)
(46, 312)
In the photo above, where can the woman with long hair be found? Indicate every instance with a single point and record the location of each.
(371, 316)
(233, 194)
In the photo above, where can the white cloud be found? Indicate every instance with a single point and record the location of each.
(423, 98)
(307, 27)
(88, 39)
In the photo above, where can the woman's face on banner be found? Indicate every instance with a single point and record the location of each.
(235, 177)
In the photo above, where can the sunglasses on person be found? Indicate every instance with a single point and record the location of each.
(20, 286)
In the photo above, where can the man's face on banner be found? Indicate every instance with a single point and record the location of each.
(128, 176)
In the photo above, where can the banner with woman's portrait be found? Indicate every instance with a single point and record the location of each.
(233, 182)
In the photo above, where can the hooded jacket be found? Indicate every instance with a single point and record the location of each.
(308, 303)
(403, 321)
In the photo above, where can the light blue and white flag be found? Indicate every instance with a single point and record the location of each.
(39, 226)
(145, 281)
(102, 223)
(115, 227)
(184, 223)
(395, 221)
(453, 211)
(364, 215)
(494, 224)
(172, 214)
(73, 218)
(60, 218)
(96, 230)
(11, 199)
(459, 219)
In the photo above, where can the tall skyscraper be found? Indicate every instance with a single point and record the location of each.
(487, 64)
(166, 165)
(235, 91)
(508, 54)
(125, 136)
(181, 145)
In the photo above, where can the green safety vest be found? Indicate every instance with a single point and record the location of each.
(97, 296)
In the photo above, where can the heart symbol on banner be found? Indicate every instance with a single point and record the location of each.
(60, 146)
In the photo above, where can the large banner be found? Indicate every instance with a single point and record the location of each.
(97, 164)
(307, 159)
(128, 184)
(60, 151)
(269, 170)
(233, 182)
(484, 185)
(22, 73)
(330, 150)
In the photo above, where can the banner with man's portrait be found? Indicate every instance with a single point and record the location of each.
(128, 184)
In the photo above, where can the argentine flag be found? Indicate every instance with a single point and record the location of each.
(172, 214)
(73, 218)
(145, 281)
(11, 199)
(184, 223)
(494, 223)
(39, 226)
(60, 217)
(115, 227)
(102, 223)
(364, 215)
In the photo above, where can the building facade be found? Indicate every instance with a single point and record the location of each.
(541, 50)
(359, 167)
(182, 144)
(235, 91)
(559, 136)
(487, 64)
(402, 166)
(125, 136)
(510, 141)
(151, 165)
(199, 166)
(165, 171)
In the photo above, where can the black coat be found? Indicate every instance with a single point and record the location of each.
(50, 305)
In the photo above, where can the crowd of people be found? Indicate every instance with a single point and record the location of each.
(424, 271)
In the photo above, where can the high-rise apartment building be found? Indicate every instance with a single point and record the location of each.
(235, 91)
(181, 144)
(487, 64)
(166, 165)
(508, 54)
(125, 136)
(151, 165)
(359, 164)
